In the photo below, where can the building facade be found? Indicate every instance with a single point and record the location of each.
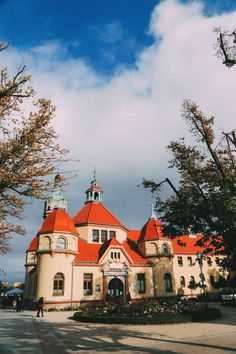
(93, 256)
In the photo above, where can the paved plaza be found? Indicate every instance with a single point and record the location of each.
(57, 333)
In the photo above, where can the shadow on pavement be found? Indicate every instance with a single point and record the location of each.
(79, 336)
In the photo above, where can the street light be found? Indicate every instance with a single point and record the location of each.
(202, 284)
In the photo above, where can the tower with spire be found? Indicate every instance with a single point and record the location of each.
(151, 241)
(57, 200)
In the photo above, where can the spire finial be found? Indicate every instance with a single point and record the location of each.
(94, 173)
(153, 215)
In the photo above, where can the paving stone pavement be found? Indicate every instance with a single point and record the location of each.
(57, 333)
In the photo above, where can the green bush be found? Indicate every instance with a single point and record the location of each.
(71, 308)
(160, 319)
(210, 297)
(145, 312)
(203, 314)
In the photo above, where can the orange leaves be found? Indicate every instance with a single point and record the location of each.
(28, 149)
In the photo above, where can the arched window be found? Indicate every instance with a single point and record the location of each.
(165, 248)
(61, 243)
(46, 242)
(96, 196)
(58, 284)
(168, 283)
(192, 284)
(182, 282)
(33, 258)
(152, 248)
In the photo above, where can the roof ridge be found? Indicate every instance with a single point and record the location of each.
(68, 217)
(90, 209)
(119, 222)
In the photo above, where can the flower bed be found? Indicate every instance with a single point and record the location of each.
(144, 312)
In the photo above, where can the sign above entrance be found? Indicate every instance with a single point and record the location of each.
(116, 267)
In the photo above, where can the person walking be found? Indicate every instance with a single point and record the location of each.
(14, 304)
(18, 304)
(40, 305)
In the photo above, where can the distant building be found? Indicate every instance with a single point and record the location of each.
(17, 284)
(4, 284)
(93, 256)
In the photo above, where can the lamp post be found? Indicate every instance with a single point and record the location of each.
(202, 276)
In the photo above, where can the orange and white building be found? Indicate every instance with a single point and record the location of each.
(93, 256)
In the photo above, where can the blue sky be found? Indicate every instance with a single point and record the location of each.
(118, 72)
(106, 33)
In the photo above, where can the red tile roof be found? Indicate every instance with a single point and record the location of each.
(91, 252)
(33, 245)
(132, 250)
(133, 235)
(186, 244)
(87, 252)
(94, 188)
(152, 230)
(58, 221)
(106, 245)
(96, 213)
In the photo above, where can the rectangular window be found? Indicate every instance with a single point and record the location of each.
(141, 283)
(217, 261)
(112, 255)
(58, 286)
(88, 284)
(112, 234)
(103, 236)
(190, 261)
(180, 261)
(96, 236)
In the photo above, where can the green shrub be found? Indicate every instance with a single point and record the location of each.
(71, 308)
(203, 314)
(160, 319)
(52, 309)
(145, 312)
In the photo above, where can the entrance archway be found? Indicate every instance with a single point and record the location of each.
(115, 289)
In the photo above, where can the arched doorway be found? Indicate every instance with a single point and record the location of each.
(115, 289)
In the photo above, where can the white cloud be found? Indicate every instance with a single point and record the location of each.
(123, 125)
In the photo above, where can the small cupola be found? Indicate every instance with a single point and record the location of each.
(94, 192)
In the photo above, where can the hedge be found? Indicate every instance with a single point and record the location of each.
(194, 316)
(205, 314)
(160, 319)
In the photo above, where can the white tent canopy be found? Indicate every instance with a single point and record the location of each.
(15, 291)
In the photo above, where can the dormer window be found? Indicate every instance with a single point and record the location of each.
(115, 255)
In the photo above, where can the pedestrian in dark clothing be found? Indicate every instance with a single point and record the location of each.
(40, 305)
(19, 304)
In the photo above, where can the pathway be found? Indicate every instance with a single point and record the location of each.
(56, 333)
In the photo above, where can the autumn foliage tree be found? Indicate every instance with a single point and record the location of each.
(28, 150)
(205, 199)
